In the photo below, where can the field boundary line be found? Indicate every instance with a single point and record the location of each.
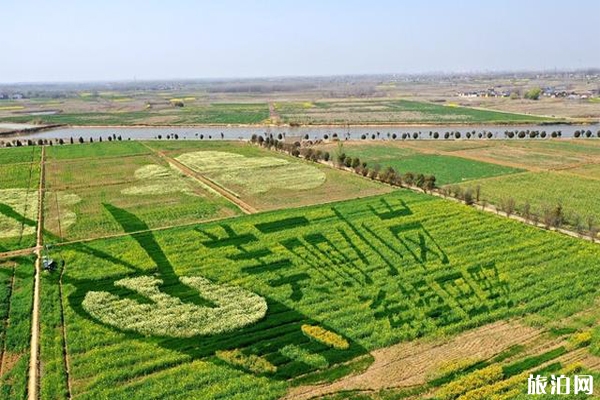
(245, 207)
(33, 386)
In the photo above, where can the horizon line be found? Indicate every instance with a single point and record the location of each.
(318, 76)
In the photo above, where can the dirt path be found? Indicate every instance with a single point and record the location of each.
(273, 114)
(17, 253)
(245, 207)
(32, 392)
(410, 364)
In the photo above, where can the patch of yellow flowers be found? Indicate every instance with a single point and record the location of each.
(326, 337)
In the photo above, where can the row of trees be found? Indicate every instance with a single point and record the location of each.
(587, 134)
(52, 142)
(175, 136)
(532, 134)
(549, 216)
(387, 175)
(522, 134)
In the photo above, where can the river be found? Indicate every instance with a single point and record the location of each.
(313, 132)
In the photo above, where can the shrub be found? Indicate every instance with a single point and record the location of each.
(581, 339)
(409, 178)
(468, 196)
(324, 336)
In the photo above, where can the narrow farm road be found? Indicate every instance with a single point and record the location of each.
(245, 207)
(17, 253)
(32, 392)
(273, 114)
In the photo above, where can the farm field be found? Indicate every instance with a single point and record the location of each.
(532, 155)
(446, 169)
(265, 179)
(20, 155)
(587, 170)
(16, 294)
(197, 109)
(96, 150)
(137, 113)
(308, 297)
(19, 180)
(119, 173)
(576, 193)
(319, 286)
(392, 111)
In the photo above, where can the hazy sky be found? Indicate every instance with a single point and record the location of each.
(63, 40)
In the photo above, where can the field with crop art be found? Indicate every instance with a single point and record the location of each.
(297, 294)
(81, 183)
(265, 179)
(225, 270)
(19, 180)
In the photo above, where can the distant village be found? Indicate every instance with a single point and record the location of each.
(551, 92)
(14, 96)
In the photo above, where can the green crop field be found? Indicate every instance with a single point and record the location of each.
(587, 170)
(217, 113)
(577, 194)
(370, 272)
(16, 294)
(392, 111)
(447, 169)
(96, 150)
(20, 155)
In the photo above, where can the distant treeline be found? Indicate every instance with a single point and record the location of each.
(52, 142)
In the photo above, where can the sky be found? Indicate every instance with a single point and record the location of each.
(67, 40)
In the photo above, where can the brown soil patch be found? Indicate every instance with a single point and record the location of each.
(409, 364)
(590, 361)
(8, 361)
